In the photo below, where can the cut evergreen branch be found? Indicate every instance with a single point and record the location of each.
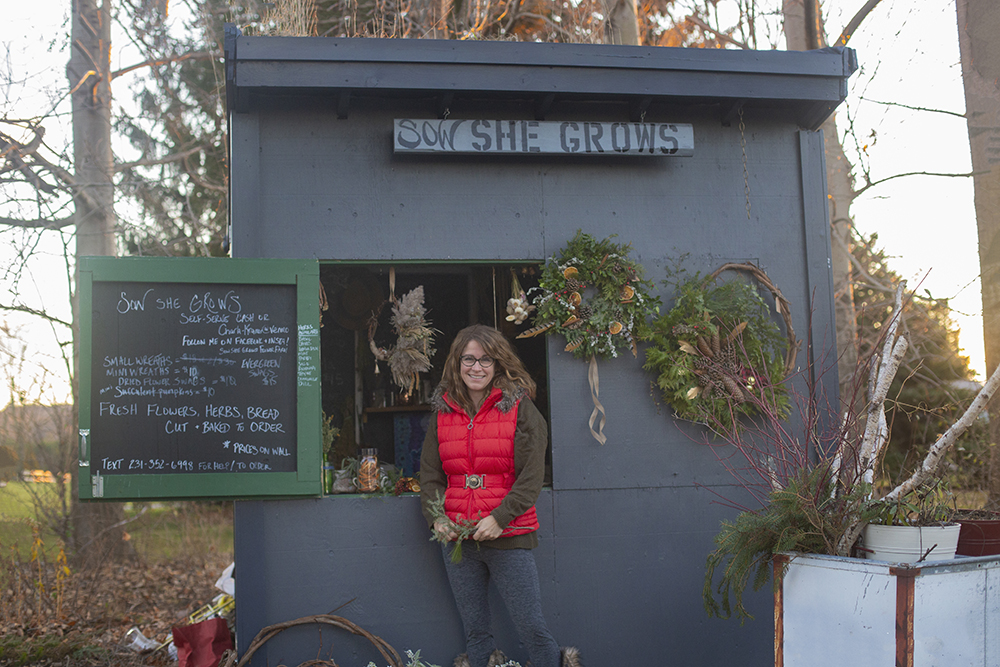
(463, 528)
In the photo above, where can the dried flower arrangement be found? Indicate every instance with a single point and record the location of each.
(518, 308)
(411, 355)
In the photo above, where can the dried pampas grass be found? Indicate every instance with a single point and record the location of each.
(411, 355)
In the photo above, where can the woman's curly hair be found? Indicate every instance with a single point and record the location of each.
(509, 373)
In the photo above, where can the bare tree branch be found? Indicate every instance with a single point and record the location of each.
(40, 223)
(37, 313)
(194, 55)
(855, 23)
(871, 184)
(941, 446)
(719, 35)
(176, 157)
(907, 106)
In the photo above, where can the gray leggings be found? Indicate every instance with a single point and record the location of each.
(516, 577)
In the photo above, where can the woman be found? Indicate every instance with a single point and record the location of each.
(485, 453)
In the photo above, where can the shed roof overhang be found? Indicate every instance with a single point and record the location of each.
(809, 84)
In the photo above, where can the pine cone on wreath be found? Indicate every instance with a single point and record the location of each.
(573, 285)
(584, 312)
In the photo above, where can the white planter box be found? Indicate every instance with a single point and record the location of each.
(909, 544)
(831, 612)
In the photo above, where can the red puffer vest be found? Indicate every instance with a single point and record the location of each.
(478, 457)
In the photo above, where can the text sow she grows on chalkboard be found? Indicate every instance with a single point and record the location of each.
(191, 378)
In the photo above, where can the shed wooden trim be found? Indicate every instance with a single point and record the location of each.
(811, 83)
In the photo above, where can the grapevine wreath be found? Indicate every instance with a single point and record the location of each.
(718, 353)
(595, 296)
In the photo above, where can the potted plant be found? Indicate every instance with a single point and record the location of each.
(980, 532)
(817, 495)
(912, 529)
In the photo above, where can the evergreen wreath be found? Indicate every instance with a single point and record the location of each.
(718, 353)
(595, 296)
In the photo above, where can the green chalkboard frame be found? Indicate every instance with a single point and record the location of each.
(307, 478)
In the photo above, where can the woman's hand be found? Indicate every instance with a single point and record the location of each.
(487, 529)
(445, 527)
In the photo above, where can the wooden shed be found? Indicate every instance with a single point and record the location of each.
(321, 170)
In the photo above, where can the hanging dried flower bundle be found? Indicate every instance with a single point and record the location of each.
(518, 307)
(411, 355)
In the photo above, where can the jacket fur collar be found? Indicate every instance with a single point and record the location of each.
(506, 403)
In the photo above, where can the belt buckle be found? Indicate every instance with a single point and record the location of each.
(474, 481)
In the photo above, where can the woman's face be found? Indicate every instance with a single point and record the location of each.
(477, 379)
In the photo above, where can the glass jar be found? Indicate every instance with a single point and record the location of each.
(368, 471)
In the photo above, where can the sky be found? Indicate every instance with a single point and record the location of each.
(908, 55)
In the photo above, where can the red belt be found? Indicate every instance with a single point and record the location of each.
(478, 481)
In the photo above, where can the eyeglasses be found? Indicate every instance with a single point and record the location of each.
(469, 361)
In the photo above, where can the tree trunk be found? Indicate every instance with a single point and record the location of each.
(804, 31)
(978, 22)
(96, 538)
(621, 22)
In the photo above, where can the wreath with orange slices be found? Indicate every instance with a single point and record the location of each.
(594, 294)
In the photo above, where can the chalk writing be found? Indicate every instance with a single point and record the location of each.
(183, 368)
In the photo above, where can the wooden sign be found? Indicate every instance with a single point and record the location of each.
(414, 135)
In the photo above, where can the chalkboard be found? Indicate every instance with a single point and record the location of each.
(202, 378)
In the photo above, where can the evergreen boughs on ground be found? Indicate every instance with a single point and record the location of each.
(805, 517)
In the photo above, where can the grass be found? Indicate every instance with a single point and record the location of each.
(165, 531)
(17, 517)
(158, 531)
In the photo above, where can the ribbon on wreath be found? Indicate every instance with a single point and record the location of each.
(595, 391)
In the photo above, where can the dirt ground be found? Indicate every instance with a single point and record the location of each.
(97, 609)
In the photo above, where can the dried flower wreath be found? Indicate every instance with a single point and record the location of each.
(594, 295)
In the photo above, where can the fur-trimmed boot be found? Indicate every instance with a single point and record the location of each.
(569, 656)
(496, 658)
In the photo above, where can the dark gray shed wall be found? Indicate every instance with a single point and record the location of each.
(626, 526)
